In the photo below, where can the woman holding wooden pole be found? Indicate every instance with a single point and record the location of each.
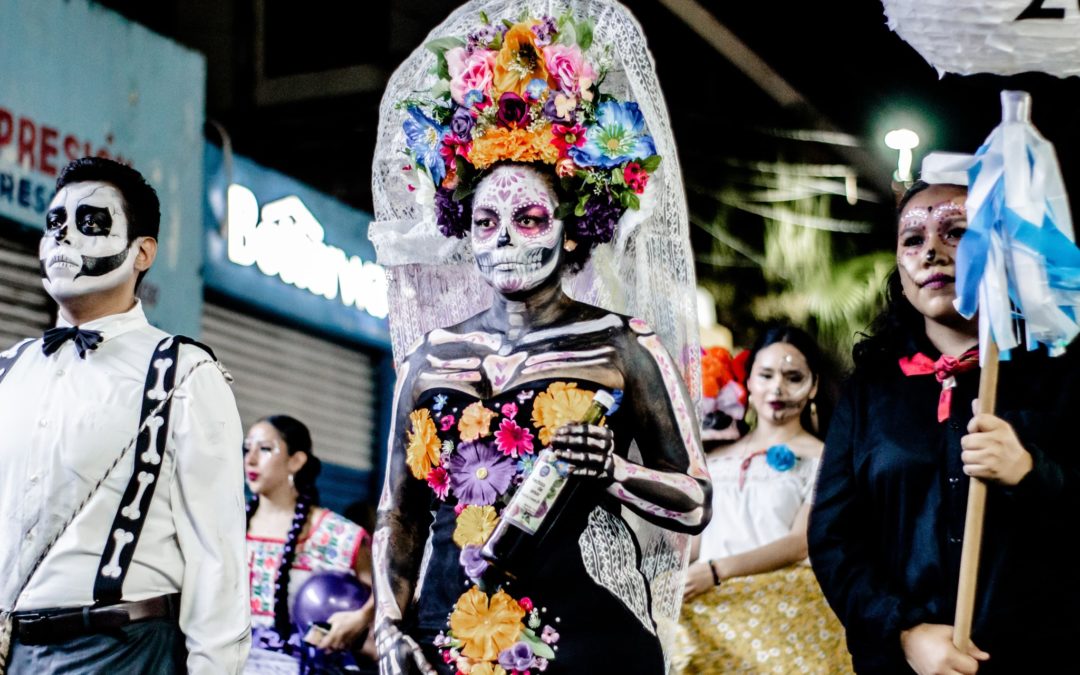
(887, 523)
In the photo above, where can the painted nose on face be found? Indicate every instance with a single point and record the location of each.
(60, 234)
(504, 237)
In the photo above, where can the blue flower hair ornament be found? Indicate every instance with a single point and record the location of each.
(780, 457)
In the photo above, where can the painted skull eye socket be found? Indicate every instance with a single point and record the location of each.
(54, 220)
(93, 221)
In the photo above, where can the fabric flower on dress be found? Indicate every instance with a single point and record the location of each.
(472, 563)
(422, 444)
(509, 410)
(475, 422)
(518, 657)
(474, 525)
(439, 481)
(479, 473)
(486, 669)
(780, 457)
(513, 440)
(485, 627)
(562, 403)
(618, 135)
(446, 423)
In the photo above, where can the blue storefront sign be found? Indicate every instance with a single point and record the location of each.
(124, 93)
(275, 243)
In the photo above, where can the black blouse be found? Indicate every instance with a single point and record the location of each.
(887, 523)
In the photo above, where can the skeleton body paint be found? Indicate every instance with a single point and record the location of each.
(85, 247)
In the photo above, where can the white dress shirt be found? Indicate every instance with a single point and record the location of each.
(63, 421)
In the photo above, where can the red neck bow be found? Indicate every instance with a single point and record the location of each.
(945, 369)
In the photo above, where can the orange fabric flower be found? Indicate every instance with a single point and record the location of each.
(515, 145)
(474, 525)
(475, 422)
(485, 626)
(422, 451)
(519, 61)
(562, 403)
(486, 668)
(716, 371)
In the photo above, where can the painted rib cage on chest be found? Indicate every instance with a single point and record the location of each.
(487, 364)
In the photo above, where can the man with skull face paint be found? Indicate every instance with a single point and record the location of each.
(144, 572)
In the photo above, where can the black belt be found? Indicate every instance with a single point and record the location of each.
(50, 626)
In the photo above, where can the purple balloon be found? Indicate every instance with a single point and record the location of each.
(325, 593)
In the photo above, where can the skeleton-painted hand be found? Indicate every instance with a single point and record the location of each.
(588, 449)
(398, 653)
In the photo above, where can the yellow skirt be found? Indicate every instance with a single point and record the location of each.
(777, 622)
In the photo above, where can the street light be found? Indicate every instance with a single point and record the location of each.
(904, 140)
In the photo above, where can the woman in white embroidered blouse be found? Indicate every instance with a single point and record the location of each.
(290, 538)
(762, 490)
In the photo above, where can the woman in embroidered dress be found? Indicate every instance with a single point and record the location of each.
(289, 538)
(888, 519)
(752, 603)
(536, 169)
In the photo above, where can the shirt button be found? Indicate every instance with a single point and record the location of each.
(955, 540)
(34, 479)
(953, 481)
(60, 372)
(30, 534)
(43, 423)
(955, 426)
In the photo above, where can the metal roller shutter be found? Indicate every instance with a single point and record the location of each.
(277, 370)
(25, 308)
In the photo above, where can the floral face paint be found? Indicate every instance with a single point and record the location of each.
(780, 383)
(85, 247)
(928, 235)
(515, 236)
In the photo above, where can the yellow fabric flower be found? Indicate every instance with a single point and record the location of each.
(486, 668)
(519, 61)
(422, 451)
(474, 525)
(516, 145)
(561, 404)
(475, 422)
(485, 627)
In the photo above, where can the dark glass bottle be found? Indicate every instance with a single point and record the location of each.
(537, 504)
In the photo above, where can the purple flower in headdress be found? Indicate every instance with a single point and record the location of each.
(512, 110)
(479, 473)
(559, 107)
(451, 215)
(472, 562)
(518, 657)
(602, 213)
(545, 31)
(483, 36)
(461, 123)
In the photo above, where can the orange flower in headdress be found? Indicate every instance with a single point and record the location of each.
(519, 61)
(515, 145)
(719, 371)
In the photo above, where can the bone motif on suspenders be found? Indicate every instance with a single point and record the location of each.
(131, 511)
(121, 539)
(158, 393)
(151, 454)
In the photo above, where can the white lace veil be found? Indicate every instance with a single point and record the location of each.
(647, 271)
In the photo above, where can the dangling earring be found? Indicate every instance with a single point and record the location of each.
(750, 417)
(813, 417)
(292, 481)
(569, 245)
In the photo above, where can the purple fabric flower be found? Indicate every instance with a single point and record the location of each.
(461, 123)
(602, 214)
(472, 562)
(479, 473)
(512, 110)
(518, 657)
(545, 31)
(451, 215)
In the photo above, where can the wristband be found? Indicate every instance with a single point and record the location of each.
(715, 576)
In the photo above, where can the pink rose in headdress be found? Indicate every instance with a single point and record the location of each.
(568, 67)
(469, 71)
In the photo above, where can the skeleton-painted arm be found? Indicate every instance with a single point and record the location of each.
(671, 486)
(398, 542)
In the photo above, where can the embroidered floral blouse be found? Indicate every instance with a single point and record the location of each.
(332, 543)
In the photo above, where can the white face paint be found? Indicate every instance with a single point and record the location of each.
(85, 246)
(515, 236)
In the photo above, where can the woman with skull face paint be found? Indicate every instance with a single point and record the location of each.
(887, 523)
(477, 403)
(753, 553)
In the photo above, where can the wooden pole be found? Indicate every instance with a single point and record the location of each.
(976, 509)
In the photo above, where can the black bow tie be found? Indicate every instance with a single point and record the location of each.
(84, 340)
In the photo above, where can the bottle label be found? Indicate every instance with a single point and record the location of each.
(536, 495)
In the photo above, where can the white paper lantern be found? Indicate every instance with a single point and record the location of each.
(991, 36)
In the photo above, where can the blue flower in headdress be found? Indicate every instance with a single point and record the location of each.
(780, 457)
(619, 135)
(424, 136)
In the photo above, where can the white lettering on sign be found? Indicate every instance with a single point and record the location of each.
(285, 239)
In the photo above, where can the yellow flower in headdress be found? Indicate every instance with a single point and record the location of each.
(475, 422)
(519, 61)
(422, 450)
(474, 525)
(514, 145)
(562, 403)
(485, 627)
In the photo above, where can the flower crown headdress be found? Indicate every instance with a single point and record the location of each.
(528, 92)
(723, 392)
